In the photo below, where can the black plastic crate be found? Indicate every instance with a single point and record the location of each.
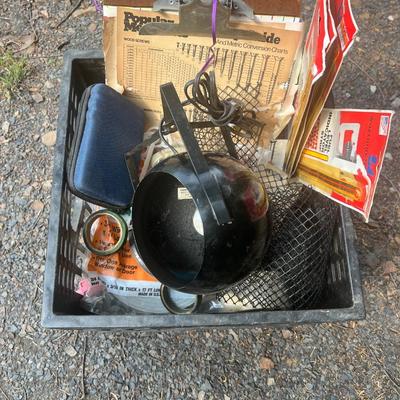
(342, 299)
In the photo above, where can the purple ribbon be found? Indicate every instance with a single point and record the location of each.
(98, 5)
(211, 55)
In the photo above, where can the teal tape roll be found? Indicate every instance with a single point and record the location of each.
(88, 226)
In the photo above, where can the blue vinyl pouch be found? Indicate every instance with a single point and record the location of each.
(107, 127)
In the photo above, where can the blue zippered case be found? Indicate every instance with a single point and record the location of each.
(107, 127)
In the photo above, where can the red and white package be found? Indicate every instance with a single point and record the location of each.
(321, 88)
(344, 155)
(345, 23)
(332, 32)
(318, 40)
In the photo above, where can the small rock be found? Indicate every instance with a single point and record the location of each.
(37, 205)
(389, 156)
(5, 127)
(372, 88)
(271, 382)
(291, 362)
(20, 201)
(153, 353)
(92, 27)
(49, 138)
(206, 387)
(234, 334)
(201, 395)
(226, 397)
(396, 103)
(266, 363)
(309, 386)
(389, 267)
(390, 18)
(46, 185)
(44, 13)
(348, 95)
(3, 140)
(286, 334)
(48, 85)
(70, 351)
(37, 97)
(13, 328)
(397, 239)
(27, 192)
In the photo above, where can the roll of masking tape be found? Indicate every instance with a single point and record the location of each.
(107, 248)
(184, 306)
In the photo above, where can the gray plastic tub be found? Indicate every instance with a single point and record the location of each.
(342, 300)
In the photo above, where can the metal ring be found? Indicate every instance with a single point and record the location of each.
(88, 226)
(173, 308)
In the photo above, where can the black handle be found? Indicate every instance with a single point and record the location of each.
(175, 114)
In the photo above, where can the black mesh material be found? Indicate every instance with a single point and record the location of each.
(211, 139)
(294, 271)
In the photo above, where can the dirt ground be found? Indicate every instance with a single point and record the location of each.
(357, 360)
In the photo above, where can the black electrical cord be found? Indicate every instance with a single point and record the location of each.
(202, 93)
(163, 130)
(228, 114)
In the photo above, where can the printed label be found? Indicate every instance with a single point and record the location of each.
(183, 194)
(384, 125)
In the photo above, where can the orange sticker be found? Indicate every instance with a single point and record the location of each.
(122, 265)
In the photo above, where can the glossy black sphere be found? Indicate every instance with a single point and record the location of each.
(178, 237)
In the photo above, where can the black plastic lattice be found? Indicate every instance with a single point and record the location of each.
(293, 273)
(342, 296)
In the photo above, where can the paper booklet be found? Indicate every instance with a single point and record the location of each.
(331, 34)
(255, 71)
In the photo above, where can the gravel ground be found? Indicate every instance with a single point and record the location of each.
(330, 361)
